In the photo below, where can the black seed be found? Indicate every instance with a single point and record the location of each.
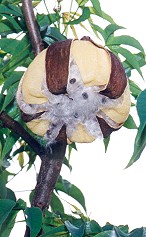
(76, 115)
(48, 132)
(54, 125)
(85, 95)
(103, 100)
(72, 81)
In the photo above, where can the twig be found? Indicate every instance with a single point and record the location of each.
(32, 27)
(15, 126)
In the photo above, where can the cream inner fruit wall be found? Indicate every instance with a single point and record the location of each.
(95, 97)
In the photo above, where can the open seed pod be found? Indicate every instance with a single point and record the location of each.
(77, 85)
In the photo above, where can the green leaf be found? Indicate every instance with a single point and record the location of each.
(103, 15)
(6, 207)
(139, 232)
(34, 220)
(66, 162)
(10, 195)
(46, 20)
(141, 108)
(55, 34)
(10, 95)
(75, 231)
(70, 147)
(124, 39)
(110, 29)
(100, 30)
(120, 232)
(10, 141)
(135, 90)
(131, 59)
(13, 24)
(139, 145)
(10, 9)
(70, 189)
(8, 224)
(97, 7)
(16, 10)
(3, 189)
(56, 204)
(5, 29)
(129, 123)
(106, 142)
(140, 140)
(81, 3)
(85, 15)
(108, 233)
(92, 227)
(9, 45)
(60, 230)
(20, 52)
(13, 78)
(21, 160)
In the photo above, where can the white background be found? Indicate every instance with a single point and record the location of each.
(112, 193)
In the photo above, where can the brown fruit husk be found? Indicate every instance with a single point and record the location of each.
(57, 66)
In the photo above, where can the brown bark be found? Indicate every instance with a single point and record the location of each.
(32, 27)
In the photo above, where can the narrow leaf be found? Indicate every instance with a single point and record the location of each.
(85, 15)
(125, 39)
(103, 15)
(34, 220)
(6, 207)
(81, 3)
(97, 7)
(135, 90)
(131, 59)
(13, 23)
(70, 189)
(14, 77)
(141, 107)
(10, 95)
(3, 189)
(100, 30)
(56, 204)
(9, 45)
(10, 141)
(140, 140)
(111, 28)
(10, 9)
(21, 160)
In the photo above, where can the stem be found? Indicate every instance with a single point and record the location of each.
(32, 27)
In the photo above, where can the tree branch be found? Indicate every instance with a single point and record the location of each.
(32, 27)
(53, 158)
(48, 175)
(17, 127)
